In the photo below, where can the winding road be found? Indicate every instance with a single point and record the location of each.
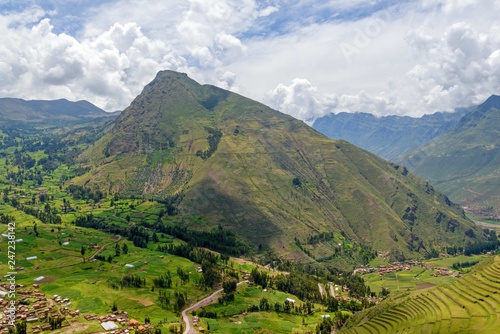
(204, 302)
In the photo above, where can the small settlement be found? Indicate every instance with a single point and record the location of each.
(35, 308)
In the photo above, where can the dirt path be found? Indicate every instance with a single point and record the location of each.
(117, 237)
(321, 290)
(487, 225)
(204, 302)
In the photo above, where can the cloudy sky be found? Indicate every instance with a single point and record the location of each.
(303, 57)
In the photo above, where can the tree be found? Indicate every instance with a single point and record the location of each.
(114, 307)
(155, 237)
(124, 249)
(117, 250)
(229, 286)
(82, 251)
(21, 327)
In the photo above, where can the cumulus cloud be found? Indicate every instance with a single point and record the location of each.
(384, 57)
(304, 101)
(458, 68)
(109, 69)
(437, 58)
(300, 99)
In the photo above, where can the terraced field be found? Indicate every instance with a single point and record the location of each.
(469, 305)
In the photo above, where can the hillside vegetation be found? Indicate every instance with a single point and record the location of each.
(269, 178)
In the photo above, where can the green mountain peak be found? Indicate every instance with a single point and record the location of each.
(214, 155)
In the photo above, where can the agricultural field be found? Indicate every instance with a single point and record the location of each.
(234, 318)
(470, 304)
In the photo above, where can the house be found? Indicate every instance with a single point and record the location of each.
(109, 325)
(46, 327)
(290, 300)
(29, 258)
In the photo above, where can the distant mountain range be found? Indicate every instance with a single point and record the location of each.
(458, 152)
(51, 112)
(216, 158)
(389, 137)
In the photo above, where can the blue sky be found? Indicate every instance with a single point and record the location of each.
(303, 57)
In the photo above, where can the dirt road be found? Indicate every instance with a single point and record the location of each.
(204, 302)
(321, 290)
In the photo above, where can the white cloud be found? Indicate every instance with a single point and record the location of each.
(410, 58)
(109, 69)
(300, 99)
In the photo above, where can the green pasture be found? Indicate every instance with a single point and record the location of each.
(231, 318)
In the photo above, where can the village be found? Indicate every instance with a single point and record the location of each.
(47, 314)
(398, 266)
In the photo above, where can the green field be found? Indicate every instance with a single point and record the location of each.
(233, 318)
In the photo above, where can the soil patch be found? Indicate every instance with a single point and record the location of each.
(426, 285)
(143, 302)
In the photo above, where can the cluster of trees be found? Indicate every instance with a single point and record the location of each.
(22, 160)
(219, 239)
(479, 247)
(163, 281)
(287, 306)
(5, 218)
(465, 264)
(84, 193)
(22, 175)
(195, 254)
(48, 215)
(213, 139)
(229, 287)
(331, 325)
(134, 281)
(55, 323)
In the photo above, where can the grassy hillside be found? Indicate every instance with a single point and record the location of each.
(268, 177)
(464, 163)
(469, 305)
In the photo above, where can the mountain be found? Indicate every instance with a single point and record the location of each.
(389, 137)
(13, 111)
(219, 159)
(465, 162)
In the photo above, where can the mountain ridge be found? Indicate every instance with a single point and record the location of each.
(271, 179)
(48, 111)
(389, 137)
